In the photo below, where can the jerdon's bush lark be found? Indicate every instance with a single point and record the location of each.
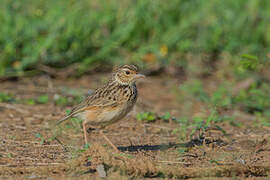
(110, 103)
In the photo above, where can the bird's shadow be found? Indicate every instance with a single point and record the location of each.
(162, 147)
(147, 147)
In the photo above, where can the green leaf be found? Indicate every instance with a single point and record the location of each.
(249, 62)
(44, 99)
(30, 101)
(4, 97)
(62, 101)
(68, 111)
(86, 146)
(146, 116)
(166, 116)
(38, 135)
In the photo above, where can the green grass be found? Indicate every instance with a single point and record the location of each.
(218, 104)
(5, 97)
(93, 33)
(146, 116)
(42, 99)
(40, 138)
(254, 99)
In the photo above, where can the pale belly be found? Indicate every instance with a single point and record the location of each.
(106, 116)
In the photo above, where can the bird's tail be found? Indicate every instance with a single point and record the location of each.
(73, 113)
(63, 119)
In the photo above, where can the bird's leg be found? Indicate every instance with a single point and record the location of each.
(107, 139)
(85, 133)
(130, 142)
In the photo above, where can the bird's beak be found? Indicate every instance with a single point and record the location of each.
(139, 76)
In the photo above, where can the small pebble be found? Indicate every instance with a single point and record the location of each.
(101, 171)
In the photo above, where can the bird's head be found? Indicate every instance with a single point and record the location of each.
(127, 74)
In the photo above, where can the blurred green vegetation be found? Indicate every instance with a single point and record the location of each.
(146, 116)
(90, 33)
(4, 97)
(219, 105)
(229, 39)
(42, 99)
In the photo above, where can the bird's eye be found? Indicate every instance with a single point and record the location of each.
(127, 72)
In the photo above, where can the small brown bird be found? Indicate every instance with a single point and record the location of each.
(110, 103)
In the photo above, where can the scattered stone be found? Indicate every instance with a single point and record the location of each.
(101, 171)
(32, 177)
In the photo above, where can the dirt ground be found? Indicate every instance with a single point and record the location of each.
(29, 149)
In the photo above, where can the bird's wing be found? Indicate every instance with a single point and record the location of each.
(93, 100)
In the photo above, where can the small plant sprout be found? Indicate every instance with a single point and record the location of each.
(68, 111)
(44, 99)
(4, 97)
(40, 137)
(146, 116)
(86, 146)
(166, 117)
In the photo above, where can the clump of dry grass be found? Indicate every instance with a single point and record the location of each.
(137, 165)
